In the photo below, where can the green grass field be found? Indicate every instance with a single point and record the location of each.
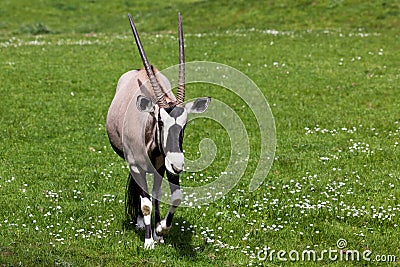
(329, 70)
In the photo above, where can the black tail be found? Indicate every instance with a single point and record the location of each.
(132, 199)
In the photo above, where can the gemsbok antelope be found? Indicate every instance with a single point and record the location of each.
(148, 134)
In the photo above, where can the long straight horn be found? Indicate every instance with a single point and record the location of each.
(153, 81)
(181, 79)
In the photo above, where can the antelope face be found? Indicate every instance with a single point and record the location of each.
(171, 123)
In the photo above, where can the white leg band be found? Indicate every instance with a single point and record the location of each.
(145, 205)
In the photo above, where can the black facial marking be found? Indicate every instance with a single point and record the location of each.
(176, 112)
(174, 142)
(175, 132)
(169, 109)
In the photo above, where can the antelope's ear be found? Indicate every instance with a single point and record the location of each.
(198, 106)
(144, 104)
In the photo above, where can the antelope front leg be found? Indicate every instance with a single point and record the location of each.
(176, 198)
(156, 202)
(145, 206)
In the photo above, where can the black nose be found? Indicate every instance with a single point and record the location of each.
(177, 170)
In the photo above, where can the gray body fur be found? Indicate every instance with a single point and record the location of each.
(127, 91)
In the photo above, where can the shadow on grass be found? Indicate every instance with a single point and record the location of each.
(181, 240)
(178, 239)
